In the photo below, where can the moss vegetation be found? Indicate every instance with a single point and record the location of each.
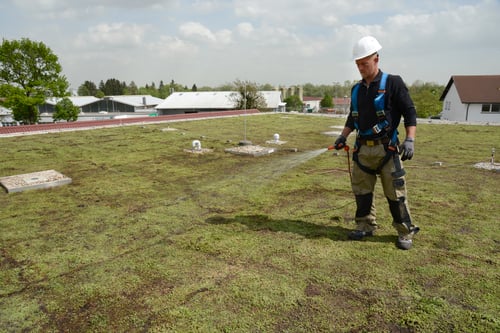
(149, 238)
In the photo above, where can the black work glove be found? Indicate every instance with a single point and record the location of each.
(340, 142)
(406, 149)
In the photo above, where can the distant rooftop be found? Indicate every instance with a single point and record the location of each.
(212, 100)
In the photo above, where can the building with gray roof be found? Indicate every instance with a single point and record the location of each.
(205, 101)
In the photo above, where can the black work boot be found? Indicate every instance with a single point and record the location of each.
(359, 235)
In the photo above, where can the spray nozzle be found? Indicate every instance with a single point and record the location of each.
(338, 147)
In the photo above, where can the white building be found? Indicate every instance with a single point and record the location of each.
(84, 103)
(472, 98)
(204, 101)
(312, 104)
(6, 117)
(130, 103)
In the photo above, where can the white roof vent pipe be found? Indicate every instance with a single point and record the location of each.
(196, 144)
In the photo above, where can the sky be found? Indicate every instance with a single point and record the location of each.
(278, 42)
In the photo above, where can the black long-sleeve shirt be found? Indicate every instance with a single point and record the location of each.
(398, 103)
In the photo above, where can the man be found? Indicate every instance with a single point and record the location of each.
(377, 104)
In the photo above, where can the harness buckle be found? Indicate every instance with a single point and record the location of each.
(376, 129)
(370, 143)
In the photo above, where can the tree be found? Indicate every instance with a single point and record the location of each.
(112, 87)
(266, 87)
(176, 87)
(247, 96)
(293, 103)
(426, 96)
(132, 89)
(163, 90)
(225, 87)
(66, 110)
(29, 73)
(88, 88)
(327, 101)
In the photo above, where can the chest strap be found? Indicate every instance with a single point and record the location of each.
(379, 103)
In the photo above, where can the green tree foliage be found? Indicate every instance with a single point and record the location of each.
(425, 95)
(426, 98)
(88, 88)
(247, 96)
(266, 87)
(131, 89)
(293, 103)
(335, 89)
(66, 110)
(112, 87)
(327, 101)
(225, 87)
(163, 91)
(29, 73)
(176, 87)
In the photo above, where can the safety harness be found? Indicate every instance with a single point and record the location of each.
(383, 124)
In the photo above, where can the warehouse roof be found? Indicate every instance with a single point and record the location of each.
(136, 100)
(76, 100)
(212, 100)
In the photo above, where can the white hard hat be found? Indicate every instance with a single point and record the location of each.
(364, 47)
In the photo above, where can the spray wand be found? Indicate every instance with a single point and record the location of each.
(346, 148)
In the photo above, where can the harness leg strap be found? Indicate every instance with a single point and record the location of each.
(365, 213)
(399, 172)
(364, 204)
(401, 217)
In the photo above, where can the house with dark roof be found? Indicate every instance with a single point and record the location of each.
(472, 98)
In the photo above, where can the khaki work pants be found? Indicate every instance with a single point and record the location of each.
(363, 186)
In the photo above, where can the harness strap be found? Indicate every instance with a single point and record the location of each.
(379, 108)
(366, 169)
(383, 124)
(391, 151)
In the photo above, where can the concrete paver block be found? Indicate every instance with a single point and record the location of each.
(34, 180)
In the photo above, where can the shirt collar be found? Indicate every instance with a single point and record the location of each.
(376, 79)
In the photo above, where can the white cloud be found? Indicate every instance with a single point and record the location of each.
(198, 32)
(245, 29)
(224, 36)
(114, 34)
(266, 41)
(37, 5)
(330, 19)
(172, 46)
(207, 6)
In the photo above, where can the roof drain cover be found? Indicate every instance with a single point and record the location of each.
(34, 180)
